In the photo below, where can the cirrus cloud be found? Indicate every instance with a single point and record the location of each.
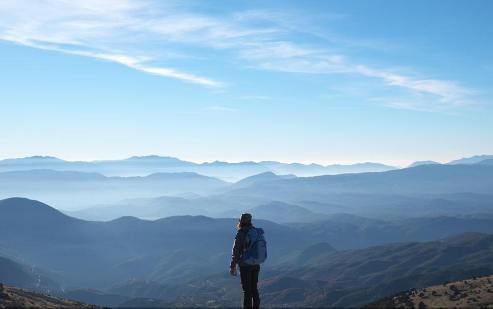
(138, 34)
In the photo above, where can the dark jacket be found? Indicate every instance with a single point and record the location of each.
(239, 246)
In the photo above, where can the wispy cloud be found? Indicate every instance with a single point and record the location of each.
(446, 92)
(139, 34)
(137, 63)
(96, 29)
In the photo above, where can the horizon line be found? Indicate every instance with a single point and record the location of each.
(229, 162)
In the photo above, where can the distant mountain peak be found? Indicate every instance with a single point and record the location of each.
(152, 157)
(126, 220)
(20, 207)
(268, 174)
(255, 179)
(471, 160)
(43, 158)
(427, 162)
(314, 251)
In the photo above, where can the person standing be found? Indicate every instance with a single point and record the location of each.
(245, 253)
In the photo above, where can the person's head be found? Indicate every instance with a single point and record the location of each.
(245, 220)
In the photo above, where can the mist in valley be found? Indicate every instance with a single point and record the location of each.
(165, 238)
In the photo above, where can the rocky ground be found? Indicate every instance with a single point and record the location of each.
(11, 297)
(471, 293)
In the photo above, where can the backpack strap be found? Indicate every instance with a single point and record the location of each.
(244, 243)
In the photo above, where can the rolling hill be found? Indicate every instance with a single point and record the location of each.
(177, 258)
(352, 232)
(343, 279)
(160, 207)
(97, 254)
(23, 276)
(425, 179)
(470, 293)
(13, 297)
(257, 179)
(282, 213)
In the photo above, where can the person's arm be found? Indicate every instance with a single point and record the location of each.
(238, 246)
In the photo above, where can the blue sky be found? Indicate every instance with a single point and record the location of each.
(293, 81)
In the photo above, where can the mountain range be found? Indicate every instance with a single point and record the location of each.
(328, 278)
(394, 193)
(176, 260)
(96, 254)
(416, 181)
(165, 239)
(143, 166)
(68, 188)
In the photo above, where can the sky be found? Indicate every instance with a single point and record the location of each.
(293, 81)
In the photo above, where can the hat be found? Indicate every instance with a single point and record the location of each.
(246, 218)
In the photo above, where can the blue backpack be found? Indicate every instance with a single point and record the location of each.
(255, 252)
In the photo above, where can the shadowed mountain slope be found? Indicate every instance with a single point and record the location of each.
(97, 254)
(350, 232)
(13, 297)
(281, 213)
(486, 162)
(472, 160)
(425, 179)
(348, 278)
(14, 274)
(160, 207)
(257, 179)
(93, 297)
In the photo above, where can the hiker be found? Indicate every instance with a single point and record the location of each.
(249, 251)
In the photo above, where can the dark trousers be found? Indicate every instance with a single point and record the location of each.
(249, 279)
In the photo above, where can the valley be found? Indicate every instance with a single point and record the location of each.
(334, 241)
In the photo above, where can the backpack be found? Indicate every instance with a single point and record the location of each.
(255, 251)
